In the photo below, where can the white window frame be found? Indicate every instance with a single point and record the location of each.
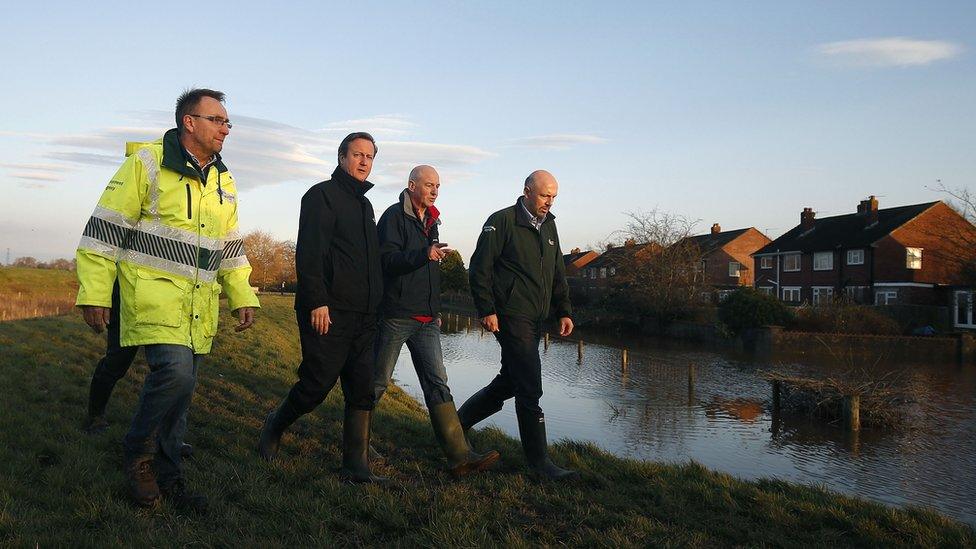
(613, 271)
(724, 294)
(603, 272)
(967, 299)
(822, 293)
(791, 290)
(765, 262)
(734, 268)
(885, 297)
(855, 292)
(913, 258)
(823, 261)
(786, 262)
(857, 259)
(768, 290)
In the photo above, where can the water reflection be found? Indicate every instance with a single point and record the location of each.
(674, 403)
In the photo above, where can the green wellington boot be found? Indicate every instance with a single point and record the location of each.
(461, 459)
(355, 448)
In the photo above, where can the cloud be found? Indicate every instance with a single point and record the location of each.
(264, 152)
(36, 176)
(888, 52)
(41, 167)
(556, 142)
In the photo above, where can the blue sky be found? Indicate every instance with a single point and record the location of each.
(735, 113)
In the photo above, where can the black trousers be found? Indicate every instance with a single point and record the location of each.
(113, 366)
(345, 352)
(521, 373)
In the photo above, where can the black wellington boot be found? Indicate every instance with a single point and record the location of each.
(355, 448)
(274, 426)
(461, 459)
(478, 407)
(532, 430)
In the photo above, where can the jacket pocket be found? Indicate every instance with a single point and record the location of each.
(213, 312)
(158, 300)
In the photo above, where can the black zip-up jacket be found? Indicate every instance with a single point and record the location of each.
(517, 270)
(337, 254)
(411, 281)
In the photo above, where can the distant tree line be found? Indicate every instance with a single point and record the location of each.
(28, 262)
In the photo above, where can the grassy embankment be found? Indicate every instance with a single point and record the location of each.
(29, 293)
(60, 487)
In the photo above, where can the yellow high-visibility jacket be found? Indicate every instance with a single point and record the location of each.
(173, 243)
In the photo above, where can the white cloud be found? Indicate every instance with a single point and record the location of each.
(556, 142)
(264, 152)
(888, 52)
(36, 176)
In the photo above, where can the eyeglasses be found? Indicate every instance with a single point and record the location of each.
(215, 119)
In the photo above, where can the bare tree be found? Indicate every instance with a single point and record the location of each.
(272, 261)
(658, 272)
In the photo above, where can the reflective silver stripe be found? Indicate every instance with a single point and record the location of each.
(189, 237)
(152, 171)
(100, 247)
(178, 269)
(113, 216)
(234, 263)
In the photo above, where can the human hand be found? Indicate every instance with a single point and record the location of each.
(96, 317)
(565, 326)
(321, 320)
(490, 323)
(438, 251)
(245, 317)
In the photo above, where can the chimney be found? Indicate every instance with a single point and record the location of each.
(716, 228)
(630, 242)
(806, 218)
(869, 209)
(575, 251)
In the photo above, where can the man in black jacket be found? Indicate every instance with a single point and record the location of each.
(340, 285)
(517, 274)
(410, 254)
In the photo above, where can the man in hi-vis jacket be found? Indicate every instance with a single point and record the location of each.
(166, 229)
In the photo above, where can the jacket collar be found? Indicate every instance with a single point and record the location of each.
(407, 205)
(522, 216)
(175, 157)
(349, 183)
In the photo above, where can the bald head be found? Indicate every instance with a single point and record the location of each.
(423, 187)
(540, 192)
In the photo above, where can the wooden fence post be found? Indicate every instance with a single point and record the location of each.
(777, 390)
(623, 361)
(579, 348)
(852, 411)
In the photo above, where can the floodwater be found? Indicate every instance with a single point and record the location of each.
(721, 416)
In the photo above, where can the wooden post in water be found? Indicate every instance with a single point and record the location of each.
(469, 323)
(579, 348)
(777, 390)
(545, 341)
(691, 377)
(852, 412)
(623, 361)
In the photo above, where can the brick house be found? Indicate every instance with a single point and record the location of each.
(914, 255)
(596, 276)
(576, 260)
(727, 258)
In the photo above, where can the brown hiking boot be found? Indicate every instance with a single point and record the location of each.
(141, 480)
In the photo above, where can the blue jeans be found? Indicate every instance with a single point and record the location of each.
(160, 421)
(423, 339)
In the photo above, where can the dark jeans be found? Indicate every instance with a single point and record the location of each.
(345, 352)
(423, 339)
(521, 373)
(113, 366)
(160, 421)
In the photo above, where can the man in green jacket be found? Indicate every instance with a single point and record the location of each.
(517, 276)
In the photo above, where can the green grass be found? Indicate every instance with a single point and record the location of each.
(28, 293)
(60, 487)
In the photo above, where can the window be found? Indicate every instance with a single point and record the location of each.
(603, 272)
(734, 267)
(706, 297)
(913, 258)
(724, 294)
(885, 297)
(791, 294)
(791, 262)
(855, 293)
(703, 264)
(823, 261)
(965, 314)
(855, 257)
(593, 273)
(765, 262)
(822, 294)
(768, 290)
(613, 271)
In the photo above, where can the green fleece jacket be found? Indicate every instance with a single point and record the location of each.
(517, 270)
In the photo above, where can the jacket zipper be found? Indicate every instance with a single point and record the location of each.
(189, 210)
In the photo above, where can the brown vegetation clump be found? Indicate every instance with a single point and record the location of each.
(845, 318)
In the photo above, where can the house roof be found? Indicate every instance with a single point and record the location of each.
(844, 231)
(615, 256)
(570, 258)
(713, 241)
